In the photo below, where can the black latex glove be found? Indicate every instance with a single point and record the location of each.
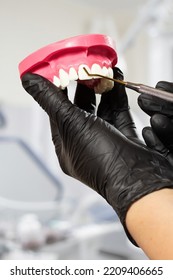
(113, 106)
(94, 152)
(160, 135)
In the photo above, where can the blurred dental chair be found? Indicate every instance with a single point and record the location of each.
(26, 184)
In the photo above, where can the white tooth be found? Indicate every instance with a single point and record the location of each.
(110, 72)
(56, 81)
(82, 74)
(73, 76)
(104, 71)
(64, 78)
(96, 69)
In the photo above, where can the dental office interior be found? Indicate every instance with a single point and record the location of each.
(45, 214)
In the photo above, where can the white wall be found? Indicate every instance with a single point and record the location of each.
(26, 26)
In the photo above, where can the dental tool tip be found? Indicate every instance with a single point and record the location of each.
(104, 77)
(140, 88)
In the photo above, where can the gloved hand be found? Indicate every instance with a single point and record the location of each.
(110, 161)
(160, 135)
(113, 107)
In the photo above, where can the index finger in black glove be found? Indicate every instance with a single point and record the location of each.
(85, 98)
(114, 108)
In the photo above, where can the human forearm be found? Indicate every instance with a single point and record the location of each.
(150, 222)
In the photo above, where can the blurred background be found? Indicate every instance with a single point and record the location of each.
(45, 214)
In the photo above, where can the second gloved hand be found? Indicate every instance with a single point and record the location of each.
(96, 153)
(160, 135)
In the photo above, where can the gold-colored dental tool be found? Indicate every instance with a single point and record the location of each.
(140, 88)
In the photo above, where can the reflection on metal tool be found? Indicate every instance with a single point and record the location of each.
(138, 87)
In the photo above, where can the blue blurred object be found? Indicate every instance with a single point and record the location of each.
(2, 120)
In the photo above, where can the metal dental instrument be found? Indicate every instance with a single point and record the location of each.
(138, 87)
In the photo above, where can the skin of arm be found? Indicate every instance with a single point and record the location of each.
(150, 222)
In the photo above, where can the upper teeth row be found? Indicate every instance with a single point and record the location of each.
(65, 78)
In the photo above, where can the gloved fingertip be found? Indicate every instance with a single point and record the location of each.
(149, 137)
(163, 127)
(45, 93)
(34, 83)
(143, 100)
(118, 74)
(164, 85)
(146, 131)
(153, 142)
(30, 79)
(158, 121)
(160, 84)
(29, 76)
(146, 103)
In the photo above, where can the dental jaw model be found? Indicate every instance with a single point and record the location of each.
(66, 61)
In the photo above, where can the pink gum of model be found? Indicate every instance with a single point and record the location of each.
(72, 52)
